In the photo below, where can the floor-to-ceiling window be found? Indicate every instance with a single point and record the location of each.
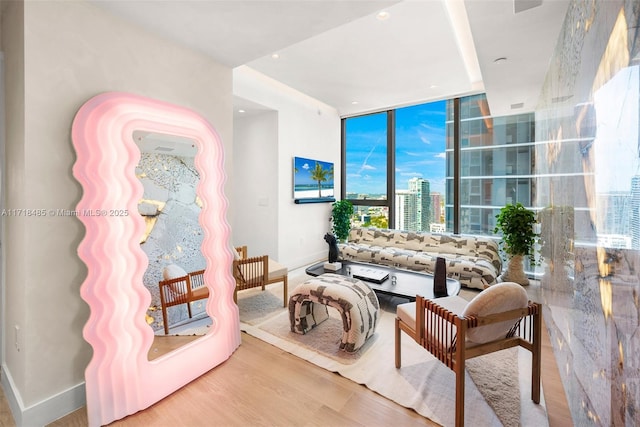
(420, 167)
(400, 171)
(496, 164)
(365, 168)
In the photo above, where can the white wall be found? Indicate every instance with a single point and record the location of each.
(71, 52)
(305, 128)
(255, 192)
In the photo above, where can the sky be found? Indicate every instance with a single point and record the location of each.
(303, 168)
(420, 149)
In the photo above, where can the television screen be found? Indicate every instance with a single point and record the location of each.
(312, 179)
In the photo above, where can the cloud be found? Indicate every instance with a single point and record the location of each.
(425, 140)
(365, 165)
(305, 166)
(441, 156)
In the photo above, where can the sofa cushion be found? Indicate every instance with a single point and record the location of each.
(471, 271)
(473, 260)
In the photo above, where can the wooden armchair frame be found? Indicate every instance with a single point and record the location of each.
(254, 273)
(441, 332)
(181, 290)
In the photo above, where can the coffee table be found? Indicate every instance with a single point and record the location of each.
(407, 284)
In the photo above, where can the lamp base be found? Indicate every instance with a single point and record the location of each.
(332, 266)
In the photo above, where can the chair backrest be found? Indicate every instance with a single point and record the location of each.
(175, 291)
(196, 279)
(251, 272)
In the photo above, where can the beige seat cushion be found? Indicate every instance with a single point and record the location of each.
(276, 271)
(407, 312)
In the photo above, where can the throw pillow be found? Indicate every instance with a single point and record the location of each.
(173, 271)
(496, 299)
(237, 255)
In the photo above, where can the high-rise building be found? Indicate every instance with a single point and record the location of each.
(496, 164)
(424, 215)
(635, 212)
(437, 208)
(406, 212)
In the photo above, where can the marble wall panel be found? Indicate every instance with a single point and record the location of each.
(587, 133)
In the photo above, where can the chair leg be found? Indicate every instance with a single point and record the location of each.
(189, 309)
(164, 320)
(235, 295)
(536, 358)
(459, 371)
(286, 291)
(398, 355)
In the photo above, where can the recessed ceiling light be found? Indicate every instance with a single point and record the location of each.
(500, 60)
(382, 15)
(275, 56)
(433, 86)
(241, 111)
(354, 102)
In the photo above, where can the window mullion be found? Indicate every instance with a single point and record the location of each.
(456, 166)
(391, 166)
(343, 159)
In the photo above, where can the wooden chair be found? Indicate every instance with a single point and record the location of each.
(257, 272)
(181, 290)
(453, 331)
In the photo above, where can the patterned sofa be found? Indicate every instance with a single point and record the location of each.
(473, 260)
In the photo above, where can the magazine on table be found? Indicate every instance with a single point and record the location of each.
(371, 275)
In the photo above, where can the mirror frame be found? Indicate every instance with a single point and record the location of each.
(120, 380)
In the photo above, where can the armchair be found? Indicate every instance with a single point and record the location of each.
(453, 331)
(180, 287)
(257, 272)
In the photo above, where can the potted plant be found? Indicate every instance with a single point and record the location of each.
(341, 212)
(516, 222)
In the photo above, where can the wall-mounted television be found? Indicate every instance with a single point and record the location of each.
(312, 181)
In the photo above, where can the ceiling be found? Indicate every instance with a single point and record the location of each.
(345, 55)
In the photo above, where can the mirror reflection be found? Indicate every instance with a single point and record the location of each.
(172, 240)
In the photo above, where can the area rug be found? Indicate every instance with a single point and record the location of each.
(497, 386)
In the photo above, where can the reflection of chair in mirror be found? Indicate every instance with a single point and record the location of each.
(257, 272)
(498, 318)
(180, 288)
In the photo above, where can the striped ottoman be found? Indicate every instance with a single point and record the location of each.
(355, 301)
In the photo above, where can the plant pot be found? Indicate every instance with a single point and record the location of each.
(515, 271)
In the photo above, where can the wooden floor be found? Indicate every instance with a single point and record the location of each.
(261, 385)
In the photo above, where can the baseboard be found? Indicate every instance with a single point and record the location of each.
(46, 411)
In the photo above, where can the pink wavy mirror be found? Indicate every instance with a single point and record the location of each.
(120, 379)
